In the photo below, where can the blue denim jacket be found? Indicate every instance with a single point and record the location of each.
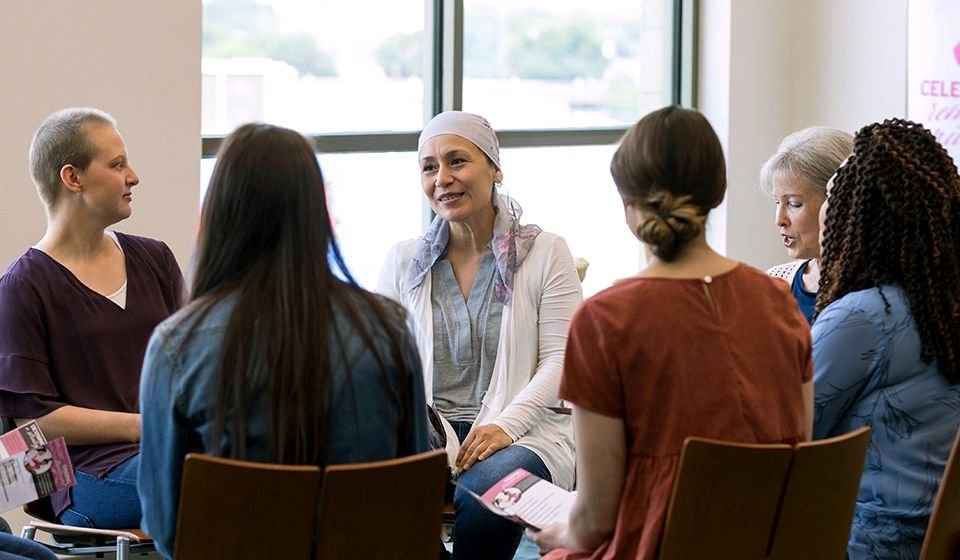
(373, 416)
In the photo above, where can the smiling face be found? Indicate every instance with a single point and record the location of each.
(106, 184)
(798, 207)
(457, 179)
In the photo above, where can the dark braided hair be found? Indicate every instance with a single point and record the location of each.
(892, 218)
(671, 165)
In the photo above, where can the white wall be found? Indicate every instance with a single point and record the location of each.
(769, 67)
(139, 61)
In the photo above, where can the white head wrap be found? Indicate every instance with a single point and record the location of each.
(466, 125)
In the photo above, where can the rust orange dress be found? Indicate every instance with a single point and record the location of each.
(723, 359)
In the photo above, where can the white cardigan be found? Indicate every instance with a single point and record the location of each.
(533, 338)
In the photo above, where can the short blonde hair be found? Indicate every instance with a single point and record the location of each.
(62, 139)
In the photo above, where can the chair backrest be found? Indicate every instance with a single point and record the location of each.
(725, 500)
(819, 499)
(942, 540)
(240, 509)
(398, 503)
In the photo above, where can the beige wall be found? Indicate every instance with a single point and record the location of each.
(769, 67)
(139, 61)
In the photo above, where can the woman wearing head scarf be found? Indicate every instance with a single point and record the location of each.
(491, 301)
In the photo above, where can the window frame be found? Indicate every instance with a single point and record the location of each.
(443, 90)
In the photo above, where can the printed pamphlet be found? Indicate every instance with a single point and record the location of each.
(527, 499)
(31, 467)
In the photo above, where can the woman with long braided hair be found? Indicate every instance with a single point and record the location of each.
(887, 339)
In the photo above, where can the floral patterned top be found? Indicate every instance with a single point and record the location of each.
(868, 372)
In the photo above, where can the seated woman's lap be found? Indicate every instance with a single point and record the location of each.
(15, 548)
(479, 533)
(110, 502)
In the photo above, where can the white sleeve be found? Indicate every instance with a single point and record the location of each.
(559, 299)
(388, 284)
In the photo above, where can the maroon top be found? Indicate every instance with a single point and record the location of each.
(657, 354)
(61, 343)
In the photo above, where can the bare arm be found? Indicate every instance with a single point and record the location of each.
(87, 426)
(808, 408)
(601, 471)
(602, 467)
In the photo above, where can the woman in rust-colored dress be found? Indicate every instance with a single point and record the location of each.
(695, 345)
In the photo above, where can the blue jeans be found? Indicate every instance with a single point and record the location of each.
(15, 548)
(110, 502)
(478, 533)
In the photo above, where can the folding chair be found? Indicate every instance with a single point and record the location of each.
(241, 509)
(82, 541)
(725, 500)
(818, 502)
(399, 502)
(776, 501)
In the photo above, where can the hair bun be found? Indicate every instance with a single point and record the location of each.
(670, 223)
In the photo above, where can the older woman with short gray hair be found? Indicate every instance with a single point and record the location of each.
(796, 178)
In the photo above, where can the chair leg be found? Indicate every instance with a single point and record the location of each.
(123, 548)
(28, 532)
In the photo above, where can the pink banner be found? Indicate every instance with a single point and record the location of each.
(933, 69)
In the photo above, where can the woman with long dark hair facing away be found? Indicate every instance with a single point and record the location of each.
(279, 356)
(886, 342)
(695, 345)
(76, 313)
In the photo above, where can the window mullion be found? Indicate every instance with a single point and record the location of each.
(444, 63)
(452, 55)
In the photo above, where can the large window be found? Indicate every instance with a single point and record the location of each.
(560, 81)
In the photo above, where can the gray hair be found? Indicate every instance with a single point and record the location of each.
(62, 139)
(811, 155)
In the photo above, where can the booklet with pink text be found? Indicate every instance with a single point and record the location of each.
(527, 499)
(31, 467)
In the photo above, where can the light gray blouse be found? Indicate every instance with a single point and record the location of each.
(465, 339)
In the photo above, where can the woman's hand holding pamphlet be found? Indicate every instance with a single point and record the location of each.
(31, 467)
(527, 499)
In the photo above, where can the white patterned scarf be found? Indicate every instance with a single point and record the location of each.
(510, 244)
